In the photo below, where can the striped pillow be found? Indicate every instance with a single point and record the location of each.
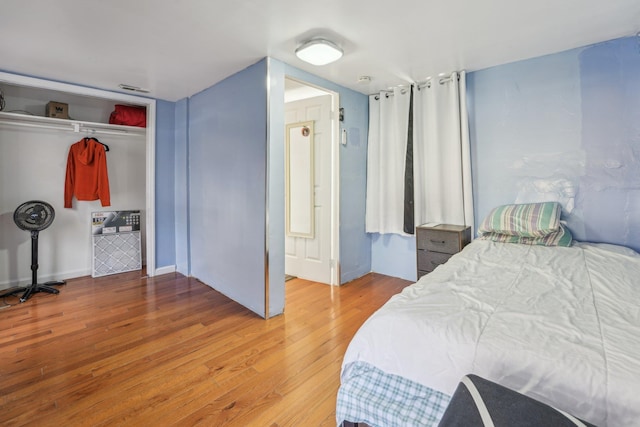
(525, 220)
(560, 237)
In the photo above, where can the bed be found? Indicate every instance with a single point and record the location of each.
(558, 324)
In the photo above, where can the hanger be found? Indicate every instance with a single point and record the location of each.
(106, 147)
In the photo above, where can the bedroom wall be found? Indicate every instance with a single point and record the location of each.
(227, 146)
(562, 126)
(525, 123)
(181, 186)
(608, 202)
(220, 150)
(394, 255)
(165, 177)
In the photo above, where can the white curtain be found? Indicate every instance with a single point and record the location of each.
(387, 149)
(441, 153)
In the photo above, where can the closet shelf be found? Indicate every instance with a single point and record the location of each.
(25, 120)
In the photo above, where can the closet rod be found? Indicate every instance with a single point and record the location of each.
(77, 128)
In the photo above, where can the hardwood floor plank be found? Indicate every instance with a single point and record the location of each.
(132, 350)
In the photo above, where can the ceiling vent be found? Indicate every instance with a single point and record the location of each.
(133, 88)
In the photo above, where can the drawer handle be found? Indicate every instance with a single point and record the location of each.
(440, 242)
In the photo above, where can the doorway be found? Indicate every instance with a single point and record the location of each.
(313, 255)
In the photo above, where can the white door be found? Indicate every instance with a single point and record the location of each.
(310, 258)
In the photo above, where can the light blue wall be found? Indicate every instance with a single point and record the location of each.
(220, 160)
(227, 148)
(394, 255)
(181, 186)
(165, 217)
(608, 205)
(525, 122)
(355, 243)
(573, 116)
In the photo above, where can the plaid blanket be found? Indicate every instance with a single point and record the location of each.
(369, 395)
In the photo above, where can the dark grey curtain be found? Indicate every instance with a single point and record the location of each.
(409, 225)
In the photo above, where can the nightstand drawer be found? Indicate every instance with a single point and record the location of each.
(439, 241)
(428, 260)
(435, 244)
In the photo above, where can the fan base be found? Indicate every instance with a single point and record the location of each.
(45, 287)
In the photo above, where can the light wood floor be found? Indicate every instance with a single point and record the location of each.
(127, 350)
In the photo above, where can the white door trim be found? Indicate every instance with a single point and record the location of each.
(335, 178)
(335, 189)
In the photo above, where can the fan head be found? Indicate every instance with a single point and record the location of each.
(34, 215)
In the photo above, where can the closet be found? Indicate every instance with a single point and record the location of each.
(33, 160)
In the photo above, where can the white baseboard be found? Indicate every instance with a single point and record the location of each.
(25, 281)
(165, 270)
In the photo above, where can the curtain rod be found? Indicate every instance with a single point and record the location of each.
(441, 80)
(419, 85)
(388, 93)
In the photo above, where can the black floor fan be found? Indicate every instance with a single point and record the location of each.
(34, 216)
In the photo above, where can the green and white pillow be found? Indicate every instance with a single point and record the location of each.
(560, 237)
(523, 220)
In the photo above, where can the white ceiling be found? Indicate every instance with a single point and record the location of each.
(177, 48)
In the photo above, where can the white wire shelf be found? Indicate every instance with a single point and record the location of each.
(78, 126)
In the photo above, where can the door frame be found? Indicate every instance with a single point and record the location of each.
(335, 177)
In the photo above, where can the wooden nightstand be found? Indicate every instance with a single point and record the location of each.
(436, 244)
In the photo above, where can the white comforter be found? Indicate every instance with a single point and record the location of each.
(561, 325)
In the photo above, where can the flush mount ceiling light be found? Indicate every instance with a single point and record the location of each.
(319, 52)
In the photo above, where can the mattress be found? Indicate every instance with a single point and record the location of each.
(561, 325)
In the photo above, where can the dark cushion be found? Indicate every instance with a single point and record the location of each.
(505, 407)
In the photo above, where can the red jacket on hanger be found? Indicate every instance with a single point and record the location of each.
(87, 177)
